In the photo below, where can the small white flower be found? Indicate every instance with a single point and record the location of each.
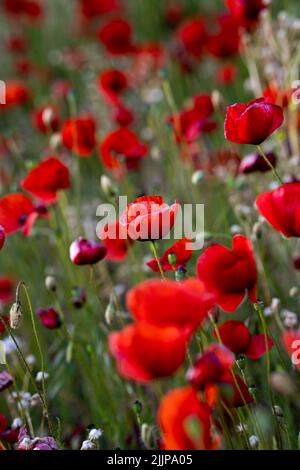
(95, 434)
(254, 441)
(39, 376)
(88, 445)
(31, 359)
(17, 423)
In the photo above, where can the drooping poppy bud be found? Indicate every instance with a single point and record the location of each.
(83, 251)
(256, 162)
(15, 315)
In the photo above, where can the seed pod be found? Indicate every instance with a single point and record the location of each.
(50, 283)
(15, 315)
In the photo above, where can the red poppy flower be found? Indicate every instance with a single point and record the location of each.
(173, 14)
(46, 179)
(291, 341)
(211, 372)
(253, 122)
(49, 318)
(235, 335)
(179, 250)
(281, 208)
(193, 36)
(122, 115)
(2, 237)
(185, 421)
(93, 8)
(30, 8)
(3, 423)
(226, 41)
(6, 289)
(17, 212)
(228, 274)
(210, 366)
(23, 67)
(145, 352)
(78, 135)
(226, 74)
(112, 83)
(83, 251)
(46, 118)
(122, 145)
(149, 218)
(116, 36)
(231, 389)
(189, 124)
(246, 12)
(182, 304)
(256, 162)
(10, 435)
(16, 93)
(16, 43)
(116, 244)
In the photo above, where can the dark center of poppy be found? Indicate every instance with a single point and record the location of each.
(22, 219)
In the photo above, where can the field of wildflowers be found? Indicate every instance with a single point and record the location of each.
(149, 225)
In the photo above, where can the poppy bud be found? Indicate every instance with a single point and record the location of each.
(137, 407)
(253, 391)
(15, 315)
(78, 297)
(180, 273)
(278, 411)
(256, 162)
(55, 141)
(294, 291)
(254, 442)
(108, 187)
(197, 176)
(2, 237)
(146, 433)
(83, 251)
(50, 283)
(172, 258)
(110, 312)
(241, 362)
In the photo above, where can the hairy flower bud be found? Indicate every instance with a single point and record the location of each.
(50, 283)
(15, 315)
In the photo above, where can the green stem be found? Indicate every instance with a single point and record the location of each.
(153, 247)
(275, 172)
(258, 308)
(22, 284)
